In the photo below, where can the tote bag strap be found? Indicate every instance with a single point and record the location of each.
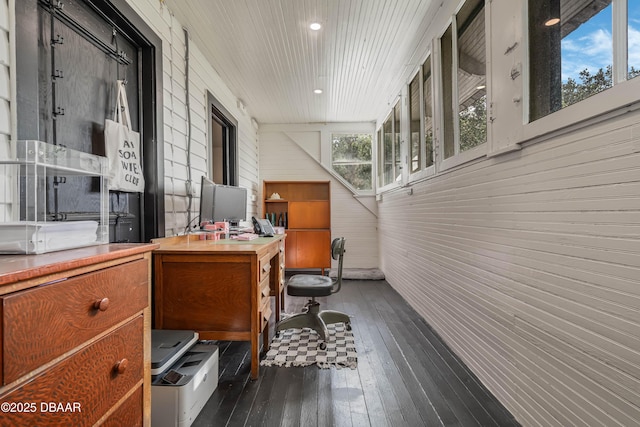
(117, 110)
(121, 112)
(122, 96)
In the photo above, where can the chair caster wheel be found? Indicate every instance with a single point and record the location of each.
(348, 326)
(323, 346)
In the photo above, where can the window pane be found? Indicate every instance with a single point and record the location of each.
(575, 62)
(472, 70)
(414, 113)
(428, 111)
(586, 40)
(387, 151)
(380, 158)
(351, 158)
(634, 38)
(359, 176)
(396, 142)
(446, 43)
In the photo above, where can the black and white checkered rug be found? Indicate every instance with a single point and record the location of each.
(299, 347)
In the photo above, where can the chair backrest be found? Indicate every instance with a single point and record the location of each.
(337, 253)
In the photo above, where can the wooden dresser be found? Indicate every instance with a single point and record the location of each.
(75, 340)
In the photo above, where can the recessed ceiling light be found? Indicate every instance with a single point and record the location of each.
(551, 22)
(318, 91)
(315, 26)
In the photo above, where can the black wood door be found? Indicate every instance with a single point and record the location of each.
(80, 58)
(69, 55)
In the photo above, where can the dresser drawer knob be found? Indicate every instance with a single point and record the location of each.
(121, 366)
(101, 304)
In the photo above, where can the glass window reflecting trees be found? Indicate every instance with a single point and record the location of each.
(579, 48)
(389, 144)
(351, 159)
(633, 38)
(427, 113)
(421, 119)
(415, 151)
(464, 72)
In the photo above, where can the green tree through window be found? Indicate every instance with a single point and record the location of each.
(473, 124)
(351, 159)
(590, 84)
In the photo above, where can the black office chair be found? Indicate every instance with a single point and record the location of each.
(314, 285)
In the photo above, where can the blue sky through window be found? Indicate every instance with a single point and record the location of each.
(634, 34)
(590, 46)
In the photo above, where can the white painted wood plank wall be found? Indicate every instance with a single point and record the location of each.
(282, 159)
(202, 78)
(6, 185)
(528, 265)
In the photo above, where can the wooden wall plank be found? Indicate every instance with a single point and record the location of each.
(6, 187)
(202, 78)
(528, 265)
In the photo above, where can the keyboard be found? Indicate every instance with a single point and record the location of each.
(247, 236)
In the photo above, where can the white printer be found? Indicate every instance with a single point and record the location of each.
(184, 376)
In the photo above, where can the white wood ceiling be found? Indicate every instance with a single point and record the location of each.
(271, 60)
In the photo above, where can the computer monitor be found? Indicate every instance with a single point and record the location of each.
(207, 188)
(229, 204)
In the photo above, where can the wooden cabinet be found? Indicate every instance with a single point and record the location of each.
(75, 341)
(304, 209)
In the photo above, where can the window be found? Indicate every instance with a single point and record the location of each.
(387, 151)
(464, 80)
(389, 148)
(351, 159)
(584, 53)
(633, 35)
(396, 142)
(427, 111)
(415, 152)
(223, 144)
(421, 119)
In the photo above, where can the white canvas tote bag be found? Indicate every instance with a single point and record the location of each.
(122, 147)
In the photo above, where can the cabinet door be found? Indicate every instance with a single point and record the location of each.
(313, 249)
(290, 249)
(313, 214)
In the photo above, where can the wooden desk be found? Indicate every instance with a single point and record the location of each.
(219, 288)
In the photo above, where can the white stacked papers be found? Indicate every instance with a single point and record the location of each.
(39, 237)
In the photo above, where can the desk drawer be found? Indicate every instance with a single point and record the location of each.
(265, 313)
(265, 290)
(43, 323)
(95, 378)
(265, 266)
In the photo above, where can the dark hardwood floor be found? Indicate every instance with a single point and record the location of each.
(406, 376)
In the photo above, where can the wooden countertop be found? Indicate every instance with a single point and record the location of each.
(192, 243)
(15, 268)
